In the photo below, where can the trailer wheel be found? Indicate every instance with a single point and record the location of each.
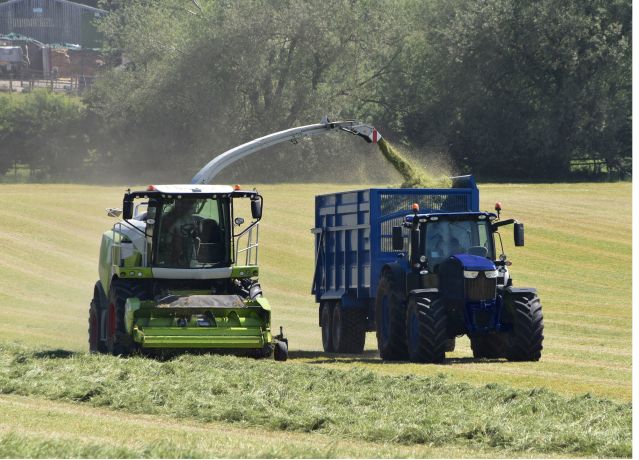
(390, 320)
(118, 342)
(426, 329)
(326, 320)
(525, 341)
(349, 329)
(487, 346)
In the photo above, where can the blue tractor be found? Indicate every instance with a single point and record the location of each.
(439, 278)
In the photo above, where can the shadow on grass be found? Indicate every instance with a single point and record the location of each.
(371, 357)
(56, 353)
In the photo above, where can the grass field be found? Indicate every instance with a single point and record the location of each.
(578, 255)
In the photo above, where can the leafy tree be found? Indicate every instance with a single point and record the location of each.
(43, 131)
(205, 76)
(517, 88)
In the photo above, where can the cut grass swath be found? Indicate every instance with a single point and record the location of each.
(355, 404)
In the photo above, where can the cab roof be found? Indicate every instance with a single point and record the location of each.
(190, 188)
(450, 216)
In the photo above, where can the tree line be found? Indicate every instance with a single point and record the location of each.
(504, 89)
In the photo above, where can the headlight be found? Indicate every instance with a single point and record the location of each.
(422, 259)
(490, 273)
(470, 274)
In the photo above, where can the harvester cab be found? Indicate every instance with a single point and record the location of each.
(180, 270)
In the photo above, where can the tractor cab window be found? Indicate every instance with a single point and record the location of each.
(445, 238)
(192, 233)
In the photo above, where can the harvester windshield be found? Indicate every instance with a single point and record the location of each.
(450, 236)
(192, 233)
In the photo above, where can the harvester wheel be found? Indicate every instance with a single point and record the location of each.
(326, 318)
(487, 346)
(390, 319)
(426, 329)
(118, 341)
(280, 353)
(95, 344)
(349, 329)
(524, 342)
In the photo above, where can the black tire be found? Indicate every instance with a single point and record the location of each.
(280, 352)
(96, 344)
(118, 342)
(426, 329)
(390, 320)
(450, 344)
(326, 320)
(488, 346)
(525, 340)
(349, 329)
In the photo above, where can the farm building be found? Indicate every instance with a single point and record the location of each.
(51, 21)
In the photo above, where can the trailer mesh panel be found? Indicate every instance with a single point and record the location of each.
(393, 203)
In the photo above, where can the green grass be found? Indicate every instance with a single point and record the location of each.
(350, 404)
(578, 255)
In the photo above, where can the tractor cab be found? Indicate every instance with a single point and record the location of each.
(443, 235)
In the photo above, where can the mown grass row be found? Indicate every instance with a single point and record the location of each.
(355, 404)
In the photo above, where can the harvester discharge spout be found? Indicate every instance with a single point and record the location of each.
(215, 166)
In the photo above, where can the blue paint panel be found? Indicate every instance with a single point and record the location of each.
(353, 234)
(470, 262)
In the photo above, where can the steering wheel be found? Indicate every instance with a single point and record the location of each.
(187, 230)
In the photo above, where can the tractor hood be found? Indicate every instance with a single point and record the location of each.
(478, 263)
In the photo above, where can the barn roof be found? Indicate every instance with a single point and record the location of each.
(66, 2)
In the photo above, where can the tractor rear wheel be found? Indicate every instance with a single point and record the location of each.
(426, 329)
(118, 342)
(349, 329)
(326, 319)
(390, 320)
(450, 344)
(525, 341)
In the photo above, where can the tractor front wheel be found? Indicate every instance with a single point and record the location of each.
(525, 340)
(426, 329)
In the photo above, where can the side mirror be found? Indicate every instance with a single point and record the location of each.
(256, 207)
(127, 209)
(398, 239)
(519, 234)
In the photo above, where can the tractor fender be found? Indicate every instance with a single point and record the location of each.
(399, 276)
